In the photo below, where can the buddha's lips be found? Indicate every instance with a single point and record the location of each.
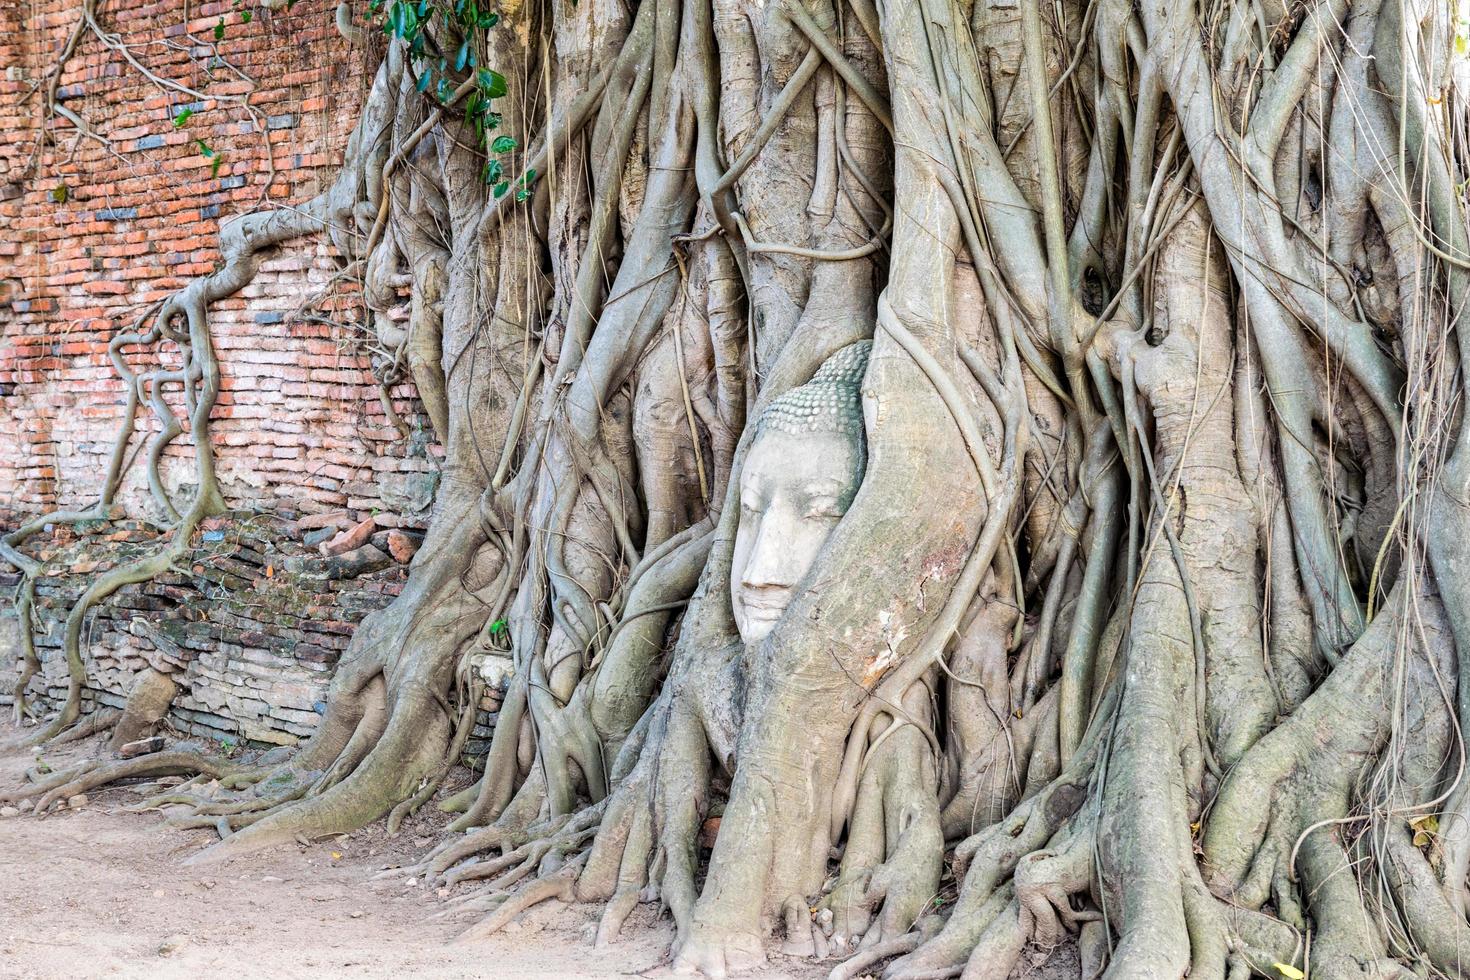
(765, 607)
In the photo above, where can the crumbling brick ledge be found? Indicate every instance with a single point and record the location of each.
(250, 626)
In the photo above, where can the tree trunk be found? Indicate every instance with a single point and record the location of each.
(1005, 441)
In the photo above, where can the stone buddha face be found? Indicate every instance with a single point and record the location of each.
(801, 474)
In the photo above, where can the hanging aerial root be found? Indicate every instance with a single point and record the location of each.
(980, 164)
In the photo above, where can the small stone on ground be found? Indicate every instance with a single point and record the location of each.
(143, 746)
(173, 944)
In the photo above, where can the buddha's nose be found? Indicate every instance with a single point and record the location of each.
(767, 566)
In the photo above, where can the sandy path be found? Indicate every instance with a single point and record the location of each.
(96, 893)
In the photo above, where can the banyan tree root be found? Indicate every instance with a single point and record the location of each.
(158, 764)
(101, 720)
(910, 450)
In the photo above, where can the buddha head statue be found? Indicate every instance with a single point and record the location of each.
(799, 478)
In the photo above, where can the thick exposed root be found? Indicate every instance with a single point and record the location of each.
(559, 885)
(159, 764)
(892, 860)
(858, 963)
(101, 720)
(40, 783)
(408, 752)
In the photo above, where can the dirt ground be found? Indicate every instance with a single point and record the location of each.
(97, 892)
(100, 892)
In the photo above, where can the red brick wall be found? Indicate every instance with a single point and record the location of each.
(298, 422)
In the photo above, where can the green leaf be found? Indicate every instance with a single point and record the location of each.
(493, 172)
(60, 193)
(462, 55)
(522, 194)
(488, 21)
(504, 144)
(424, 79)
(219, 30)
(493, 83)
(182, 117)
(500, 188)
(214, 166)
(528, 178)
(246, 16)
(204, 148)
(442, 90)
(497, 627)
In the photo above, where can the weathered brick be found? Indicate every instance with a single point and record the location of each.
(297, 426)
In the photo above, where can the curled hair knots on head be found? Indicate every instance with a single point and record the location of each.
(830, 402)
